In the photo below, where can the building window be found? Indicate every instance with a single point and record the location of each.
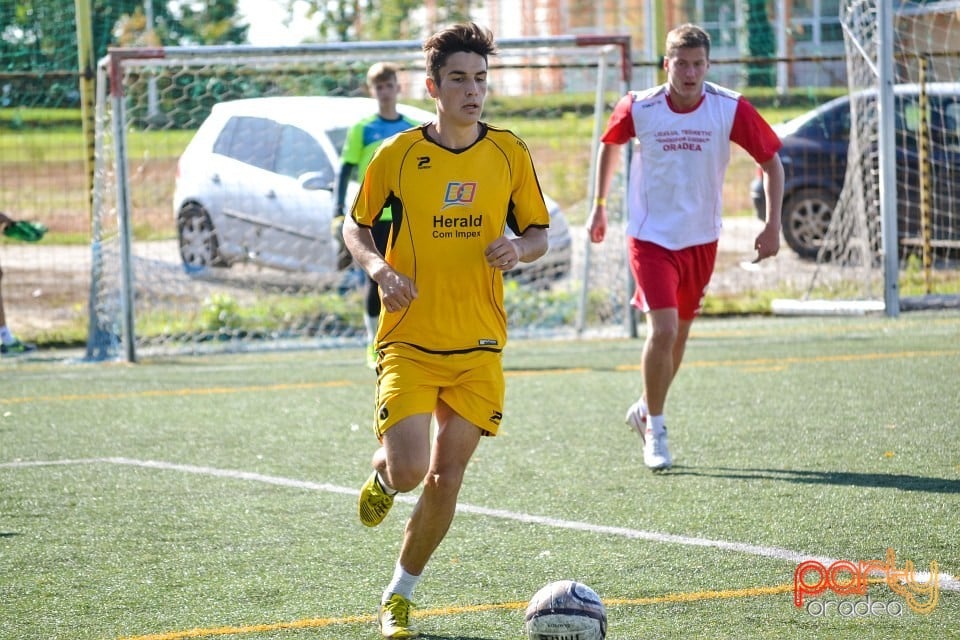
(815, 21)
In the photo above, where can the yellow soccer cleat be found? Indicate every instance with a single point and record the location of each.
(374, 502)
(394, 618)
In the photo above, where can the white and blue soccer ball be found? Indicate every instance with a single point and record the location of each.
(566, 610)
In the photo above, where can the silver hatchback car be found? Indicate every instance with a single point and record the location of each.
(257, 184)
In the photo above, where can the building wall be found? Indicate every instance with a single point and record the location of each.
(816, 22)
(813, 34)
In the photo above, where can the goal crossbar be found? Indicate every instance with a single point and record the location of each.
(120, 61)
(117, 57)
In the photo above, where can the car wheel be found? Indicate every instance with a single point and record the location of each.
(198, 239)
(805, 218)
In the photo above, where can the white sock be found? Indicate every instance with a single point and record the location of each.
(403, 583)
(390, 491)
(643, 407)
(656, 424)
(5, 336)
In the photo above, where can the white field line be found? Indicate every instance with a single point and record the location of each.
(946, 580)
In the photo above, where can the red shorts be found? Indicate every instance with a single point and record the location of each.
(671, 279)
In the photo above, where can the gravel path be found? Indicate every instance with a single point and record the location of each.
(47, 285)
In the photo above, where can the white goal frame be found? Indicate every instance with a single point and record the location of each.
(878, 57)
(112, 324)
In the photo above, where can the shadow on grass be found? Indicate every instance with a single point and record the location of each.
(903, 482)
(430, 636)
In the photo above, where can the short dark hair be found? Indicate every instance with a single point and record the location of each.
(468, 37)
(381, 72)
(687, 36)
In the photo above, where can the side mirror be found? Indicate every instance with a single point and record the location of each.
(316, 181)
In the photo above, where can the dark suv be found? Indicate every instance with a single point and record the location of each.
(814, 156)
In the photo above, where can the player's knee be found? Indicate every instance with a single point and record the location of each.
(446, 481)
(663, 336)
(406, 477)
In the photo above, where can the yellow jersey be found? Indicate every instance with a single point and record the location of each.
(448, 206)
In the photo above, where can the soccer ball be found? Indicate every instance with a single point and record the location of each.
(566, 610)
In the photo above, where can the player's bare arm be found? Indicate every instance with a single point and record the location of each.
(505, 253)
(397, 291)
(767, 243)
(607, 161)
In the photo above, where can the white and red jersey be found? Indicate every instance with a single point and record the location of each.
(681, 157)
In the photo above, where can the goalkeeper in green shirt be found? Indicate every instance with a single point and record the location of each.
(362, 141)
(9, 345)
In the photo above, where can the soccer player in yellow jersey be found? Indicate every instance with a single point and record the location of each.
(453, 185)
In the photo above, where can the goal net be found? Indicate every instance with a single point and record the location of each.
(925, 126)
(235, 252)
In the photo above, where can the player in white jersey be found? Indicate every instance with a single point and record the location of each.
(683, 131)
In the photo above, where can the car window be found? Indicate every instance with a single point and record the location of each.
(945, 121)
(951, 115)
(300, 153)
(942, 116)
(250, 140)
(222, 144)
(908, 114)
(832, 124)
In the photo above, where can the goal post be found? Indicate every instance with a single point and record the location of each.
(150, 101)
(886, 116)
(897, 221)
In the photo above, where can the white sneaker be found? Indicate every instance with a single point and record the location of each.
(637, 419)
(656, 454)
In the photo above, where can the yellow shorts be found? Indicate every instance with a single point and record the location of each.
(411, 382)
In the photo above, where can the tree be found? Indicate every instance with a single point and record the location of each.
(40, 36)
(183, 23)
(451, 12)
(390, 21)
(346, 20)
(214, 22)
(760, 43)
